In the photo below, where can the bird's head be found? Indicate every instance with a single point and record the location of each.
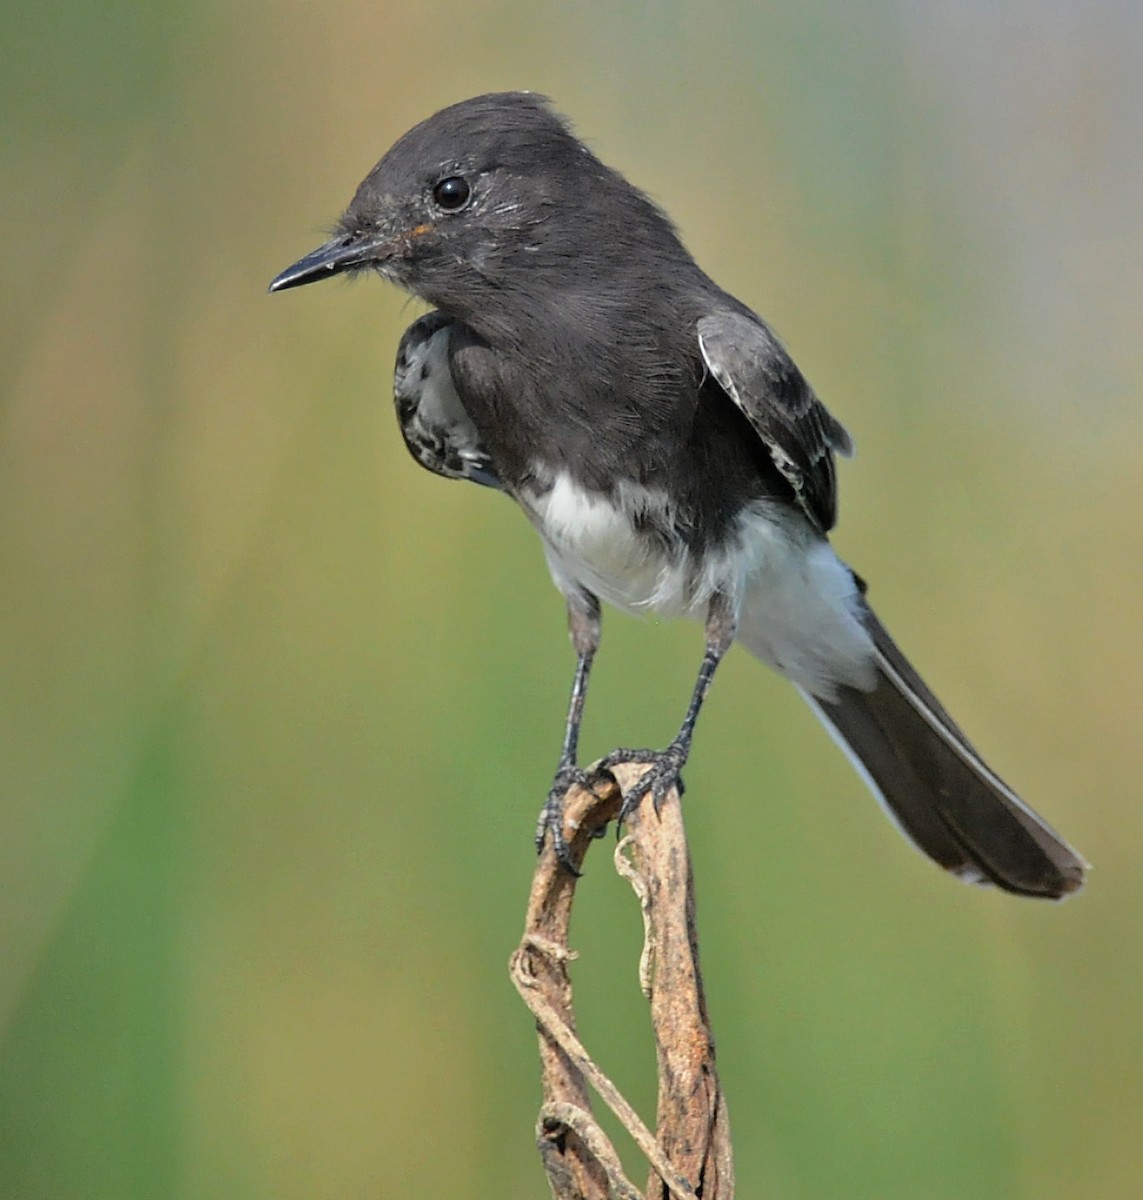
(474, 206)
(463, 196)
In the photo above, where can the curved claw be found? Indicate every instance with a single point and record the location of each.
(661, 776)
(551, 819)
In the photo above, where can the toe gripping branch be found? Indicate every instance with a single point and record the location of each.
(653, 773)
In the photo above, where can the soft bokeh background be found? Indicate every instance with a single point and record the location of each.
(278, 708)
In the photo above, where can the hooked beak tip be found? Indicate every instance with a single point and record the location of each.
(335, 257)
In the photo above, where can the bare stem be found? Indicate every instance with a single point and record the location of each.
(690, 1154)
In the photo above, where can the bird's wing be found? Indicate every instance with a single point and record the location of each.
(751, 366)
(439, 433)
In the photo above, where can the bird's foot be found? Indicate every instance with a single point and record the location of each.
(662, 774)
(551, 820)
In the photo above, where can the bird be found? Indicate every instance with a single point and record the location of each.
(667, 450)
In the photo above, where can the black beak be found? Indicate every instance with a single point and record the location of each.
(340, 254)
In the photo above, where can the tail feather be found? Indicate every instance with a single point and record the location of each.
(851, 723)
(938, 789)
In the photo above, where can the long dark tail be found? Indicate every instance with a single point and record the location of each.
(938, 790)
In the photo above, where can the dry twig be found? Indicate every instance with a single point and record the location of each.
(690, 1153)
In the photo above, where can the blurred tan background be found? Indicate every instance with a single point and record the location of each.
(279, 708)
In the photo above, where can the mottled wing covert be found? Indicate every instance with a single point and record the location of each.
(754, 370)
(439, 433)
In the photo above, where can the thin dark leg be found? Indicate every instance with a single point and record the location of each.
(585, 626)
(721, 626)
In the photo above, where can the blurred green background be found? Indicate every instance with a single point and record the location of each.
(279, 708)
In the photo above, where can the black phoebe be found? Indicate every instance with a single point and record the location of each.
(670, 454)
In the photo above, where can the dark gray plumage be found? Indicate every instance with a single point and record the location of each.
(665, 446)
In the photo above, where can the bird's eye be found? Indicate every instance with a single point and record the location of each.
(452, 194)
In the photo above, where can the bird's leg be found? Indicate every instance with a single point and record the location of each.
(663, 774)
(585, 626)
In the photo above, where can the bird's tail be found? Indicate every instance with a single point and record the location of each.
(937, 788)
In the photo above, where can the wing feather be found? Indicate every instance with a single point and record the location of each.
(752, 367)
(437, 430)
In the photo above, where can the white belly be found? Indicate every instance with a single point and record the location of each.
(798, 607)
(594, 543)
